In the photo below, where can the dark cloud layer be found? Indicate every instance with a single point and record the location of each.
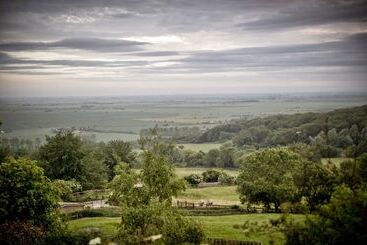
(310, 14)
(94, 44)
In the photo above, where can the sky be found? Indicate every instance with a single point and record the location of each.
(130, 47)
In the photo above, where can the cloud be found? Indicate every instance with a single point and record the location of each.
(92, 44)
(349, 52)
(311, 13)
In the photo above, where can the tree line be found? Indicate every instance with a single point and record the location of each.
(338, 132)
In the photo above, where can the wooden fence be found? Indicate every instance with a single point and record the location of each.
(214, 241)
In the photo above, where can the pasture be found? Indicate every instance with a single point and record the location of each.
(227, 226)
(222, 195)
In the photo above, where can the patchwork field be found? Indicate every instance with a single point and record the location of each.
(110, 118)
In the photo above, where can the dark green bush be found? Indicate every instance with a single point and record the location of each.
(211, 175)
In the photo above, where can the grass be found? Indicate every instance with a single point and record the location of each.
(182, 172)
(107, 225)
(201, 147)
(214, 226)
(222, 227)
(218, 194)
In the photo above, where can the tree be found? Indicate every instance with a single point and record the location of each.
(25, 193)
(226, 156)
(315, 183)
(212, 158)
(267, 177)
(114, 152)
(341, 221)
(146, 201)
(62, 155)
(353, 173)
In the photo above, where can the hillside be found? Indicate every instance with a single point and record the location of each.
(285, 129)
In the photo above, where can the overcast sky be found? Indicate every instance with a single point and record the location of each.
(127, 47)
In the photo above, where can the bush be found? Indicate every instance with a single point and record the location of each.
(193, 179)
(226, 179)
(103, 212)
(26, 194)
(66, 187)
(211, 175)
(20, 232)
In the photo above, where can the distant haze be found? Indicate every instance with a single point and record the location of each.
(116, 47)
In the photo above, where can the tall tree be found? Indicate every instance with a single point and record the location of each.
(62, 155)
(267, 177)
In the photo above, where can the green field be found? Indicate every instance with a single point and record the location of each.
(182, 172)
(214, 226)
(217, 194)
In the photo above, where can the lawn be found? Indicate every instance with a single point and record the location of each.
(214, 226)
(217, 194)
(222, 227)
(107, 225)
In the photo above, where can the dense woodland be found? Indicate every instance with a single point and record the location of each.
(333, 131)
(280, 170)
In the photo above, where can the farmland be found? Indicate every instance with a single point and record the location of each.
(110, 118)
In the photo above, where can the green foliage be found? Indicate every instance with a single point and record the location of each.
(65, 188)
(341, 221)
(267, 177)
(193, 179)
(115, 152)
(212, 158)
(193, 158)
(354, 172)
(315, 182)
(26, 194)
(226, 179)
(142, 223)
(4, 152)
(62, 155)
(146, 197)
(95, 171)
(328, 132)
(211, 175)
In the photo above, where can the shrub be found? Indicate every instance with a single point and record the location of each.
(65, 188)
(26, 194)
(193, 179)
(20, 232)
(226, 179)
(211, 175)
